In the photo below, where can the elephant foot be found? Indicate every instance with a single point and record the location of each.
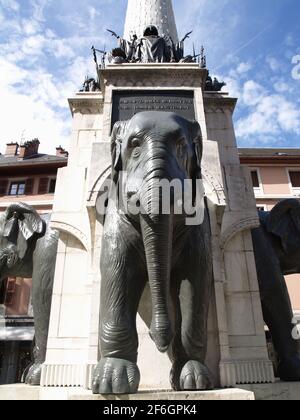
(193, 376)
(289, 369)
(33, 377)
(116, 376)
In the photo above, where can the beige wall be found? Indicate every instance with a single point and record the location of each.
(21, 298)
(274, 180)
(293, 283)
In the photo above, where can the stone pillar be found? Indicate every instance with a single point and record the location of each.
(76, 283)
(243, 350)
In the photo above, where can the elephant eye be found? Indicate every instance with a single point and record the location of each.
(135, 142)
(182, 142)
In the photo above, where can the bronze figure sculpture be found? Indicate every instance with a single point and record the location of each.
(28, 248)
(150, 48)
(277, 253)
(158, 248)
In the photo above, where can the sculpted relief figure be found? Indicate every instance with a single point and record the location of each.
(277, 253)
(28, 248)
(155, 248)
(151, 48)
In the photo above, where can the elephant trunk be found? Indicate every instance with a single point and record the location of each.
(157, 233)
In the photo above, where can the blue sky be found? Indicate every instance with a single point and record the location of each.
(254, 45)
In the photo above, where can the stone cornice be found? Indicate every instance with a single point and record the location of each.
(218, 101)
(87, 103)
(153, 75)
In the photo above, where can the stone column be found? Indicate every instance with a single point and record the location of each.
(70, 352)
(142, 13)
(243, 349)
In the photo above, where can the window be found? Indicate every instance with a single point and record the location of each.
(47, 186)
(261, 207)
(17, 188)
(3, 288)
(295, 179)
(3, 187)
(255, 179)
(256, 182)
(52, 186)
(43, 186)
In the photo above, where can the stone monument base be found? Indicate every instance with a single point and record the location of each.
(279, 391)
(23, 392)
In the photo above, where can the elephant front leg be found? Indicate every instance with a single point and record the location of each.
(191, 299)
(123, 281)
(42, 287)
(189, 372)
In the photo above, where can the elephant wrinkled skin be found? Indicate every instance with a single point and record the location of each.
(161, 249)
(28, 248)
(277, 253)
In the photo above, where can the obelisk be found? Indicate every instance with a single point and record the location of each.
(142, 13)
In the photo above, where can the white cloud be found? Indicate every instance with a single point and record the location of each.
(31, 110)
(38, 7)
(93, 12)
(253, 93)
(273, 63)
(271, 116)
(10, 5)
(30, 26)
(281, 86)
(244, 68)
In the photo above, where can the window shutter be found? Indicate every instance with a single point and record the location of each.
(3, 288)
(43, 186)
(255, 179)
(29, 187)
(3, 187)
(295, 179)
(10, 291)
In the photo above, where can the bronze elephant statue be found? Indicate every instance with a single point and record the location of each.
(277, 253)
(28, 248)
(160, 248)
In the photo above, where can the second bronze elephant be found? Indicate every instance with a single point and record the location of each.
(28, 248)
(277, 253)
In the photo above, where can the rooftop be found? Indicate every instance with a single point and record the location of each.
(32, 160)
(268, 152)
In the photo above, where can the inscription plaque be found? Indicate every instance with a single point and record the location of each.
(128, 103)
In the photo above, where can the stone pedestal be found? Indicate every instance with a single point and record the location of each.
(26, 393)
(237, 347)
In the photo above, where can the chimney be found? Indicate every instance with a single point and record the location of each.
(11, 149)
(61, 152)
(29, 149)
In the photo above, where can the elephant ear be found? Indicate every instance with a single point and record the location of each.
(22, 223)
(116, 148)
(284, 222)
(197, 140)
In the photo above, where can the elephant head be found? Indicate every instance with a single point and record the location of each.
(151, 147)
(20, 226)
(284, 223)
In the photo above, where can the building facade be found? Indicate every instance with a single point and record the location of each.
(276, 176)
(28, 176)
